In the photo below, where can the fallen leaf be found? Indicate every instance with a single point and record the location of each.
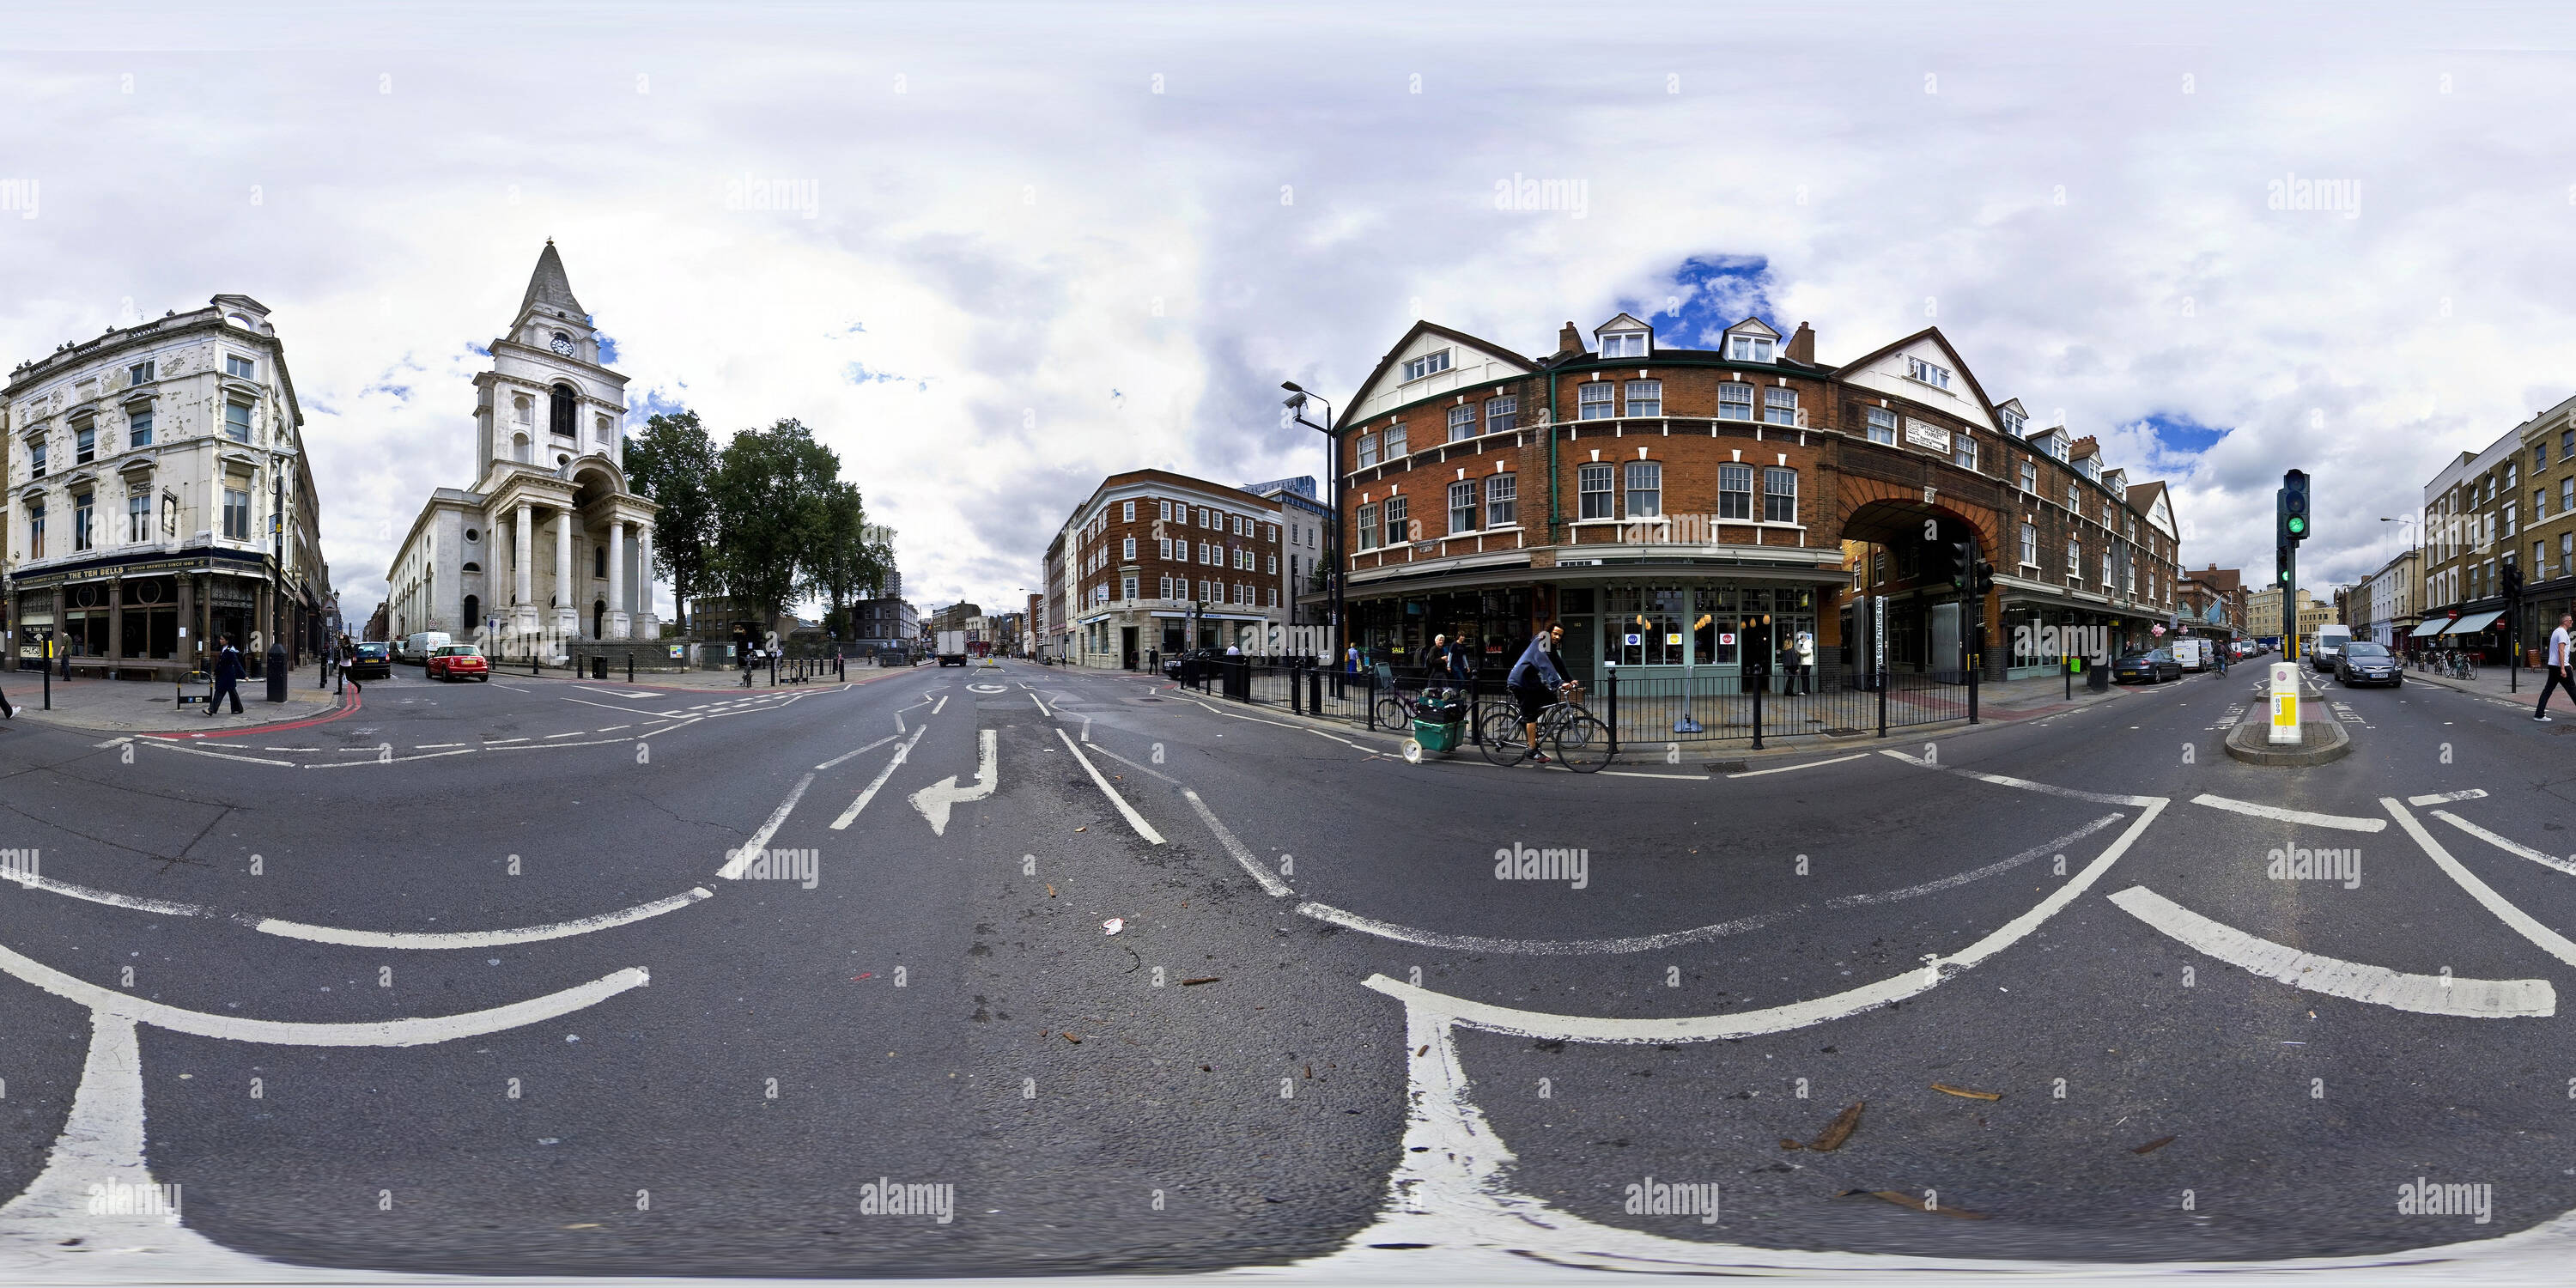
(1786, 1143)
(1050, 889)
(1072, 1039)
(1947, 1089)
(1839, 1130)
(1904, 1200)
(2152, 1146)
(1424, 1049)
(1310, 1071)
(1203, 979)
(1082, 829)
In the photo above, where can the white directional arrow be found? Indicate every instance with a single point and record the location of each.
(933, 801)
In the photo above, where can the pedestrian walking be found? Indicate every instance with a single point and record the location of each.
(1803, 663)
(228, 674)
(1351, 663)
(2559, 674)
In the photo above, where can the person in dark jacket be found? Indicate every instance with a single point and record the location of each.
(228, 674)
(1535, 680)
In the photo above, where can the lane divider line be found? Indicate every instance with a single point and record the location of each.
(2517, 850)
(434, 940)
(901, 754)
(2548, 941)
(2485, 999)
(861, 751)
(1270, 882)
(1794, 1015)
(740, 860)
(1134, 819)
(1674, 939)
(2276, 813)
(1757, 773)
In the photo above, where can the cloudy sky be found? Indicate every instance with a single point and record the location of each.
(993, 252)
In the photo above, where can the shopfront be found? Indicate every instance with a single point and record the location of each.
(1663, 627)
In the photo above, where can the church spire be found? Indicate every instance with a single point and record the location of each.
(549, 286)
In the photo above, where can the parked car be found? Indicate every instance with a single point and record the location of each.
(459, 662)
(372, 660)
(2367, 662)
(2150, 666)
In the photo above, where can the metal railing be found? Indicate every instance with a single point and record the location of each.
(1640, 710)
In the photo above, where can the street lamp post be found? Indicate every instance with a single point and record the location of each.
(1332, 461)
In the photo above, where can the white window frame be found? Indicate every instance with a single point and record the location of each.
(1367, 451)
(1735, 401)
(1585, 475)
(1395, 446)
(1771, 475)
(1429, 364)
(240, 368)
(1468, 489)
(1652, 473)
(1462, 422)
(1624, 344)
(1780, 406)
(1502, 501)
(1595, 400)
(1399, 520)
(1735, 473)
(2030, 545)
(1881, 426)
(2030, 476)
(1650, 392)
(1502, 414)
(1963, 451)
(1748, 348)
(1925, 373)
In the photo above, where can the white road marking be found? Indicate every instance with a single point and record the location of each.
(739, 861)
(501, 742)
(2549, 941)
(1134, 819)
(861, 751)
(604, 706)
(941, 706)
(435, 746)
(2509, 847)
(402, 1032)
(1630, 773)
(901, 754)
(1677, 938)
(109, 897)
(219, 755)
(574, 734)
(2488, 999)
(2024, 784)
(614, 728)
(1795, 1015)
(1269, 882)
(2445, 798)
(290, 749)
(2305, 817)
(479, 938)
(1757, 773)
(347, 764)
(1042, 706)
(934, 801)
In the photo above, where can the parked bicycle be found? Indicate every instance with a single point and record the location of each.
(1578, 739)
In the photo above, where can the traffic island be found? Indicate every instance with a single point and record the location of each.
(2320, 741)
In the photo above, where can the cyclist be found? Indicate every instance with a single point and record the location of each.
(1534, 680)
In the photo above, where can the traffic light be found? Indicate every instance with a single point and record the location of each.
(1959, 561)
(1984, 582)
(2294, 506)
(2512, 580)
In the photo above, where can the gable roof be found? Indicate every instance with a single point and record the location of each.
(1753, 326)
(1351, 411)
(1932, 333)
(1624, 322)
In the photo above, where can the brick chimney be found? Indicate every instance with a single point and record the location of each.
(1569, 340)
(1802, 346)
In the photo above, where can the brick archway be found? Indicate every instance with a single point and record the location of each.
(1878, 511)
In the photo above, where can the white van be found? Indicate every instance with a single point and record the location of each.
(417, 646)
(2327, 646)
(2193, 653)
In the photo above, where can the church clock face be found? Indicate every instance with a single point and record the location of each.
(561, 344)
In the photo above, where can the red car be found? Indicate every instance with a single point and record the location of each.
(459, 662)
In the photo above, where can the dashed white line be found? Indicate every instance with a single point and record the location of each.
(1757, 773)
(942, 706)
(901, 754)
(2491, 999)
(2308, 818)
(219, 755)
(861, 751)
(501, 742)
(2445, 798)
(740, 860)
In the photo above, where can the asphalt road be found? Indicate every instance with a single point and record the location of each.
(872, 920)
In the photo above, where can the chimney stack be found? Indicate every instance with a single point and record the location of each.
(1569, 340)
(1802, 346)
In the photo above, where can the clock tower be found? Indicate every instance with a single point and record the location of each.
(547, 401)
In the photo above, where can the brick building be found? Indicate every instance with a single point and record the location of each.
(1681, 510)
(2212, 600)
(1148, 553)
(2472, 531)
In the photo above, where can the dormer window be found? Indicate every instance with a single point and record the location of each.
(1922, 372)
(1748, 348)
(2093, 468)
(1623, 344)
(2057, 446)
(2013, 422)
(1429, 364)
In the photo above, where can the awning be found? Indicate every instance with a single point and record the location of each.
(2473, 623)
(2433, 627)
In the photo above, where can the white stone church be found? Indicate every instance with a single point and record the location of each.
(549, 547)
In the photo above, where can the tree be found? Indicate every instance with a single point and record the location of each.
(849, 556)
(673, 462)
(773, 497)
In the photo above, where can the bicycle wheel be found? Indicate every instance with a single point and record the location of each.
(1501, 742)
(1583, 742)
(1390, 715)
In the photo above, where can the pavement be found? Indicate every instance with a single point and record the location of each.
(1024, 970)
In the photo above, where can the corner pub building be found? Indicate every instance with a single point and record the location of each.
(1686, 511)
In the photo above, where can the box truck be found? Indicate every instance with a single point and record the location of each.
(952, 648)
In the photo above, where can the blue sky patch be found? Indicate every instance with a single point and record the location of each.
(2182, 433)
(607, 349)
(1714, 292)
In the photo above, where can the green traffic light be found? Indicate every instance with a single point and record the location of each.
(2298, 525)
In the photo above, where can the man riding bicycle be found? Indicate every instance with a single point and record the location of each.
(1534, 682)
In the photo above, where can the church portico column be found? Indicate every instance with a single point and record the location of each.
(618, 617)
(645, 624)
(523, 607)
(567, 612)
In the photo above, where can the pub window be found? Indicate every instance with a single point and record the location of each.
(1645, 398)
(81, 536)
(35, 529)
(1368, 527)
(237, 514)
(1592, 401)
(1735, 401)
(1501, 414)
(1735, 492)
(1595, 483)
(1502, 501)
(1462, 506)
(138, 427)
(1397, 530)
(1645, 490)
(1462, 422)
(138, 517)
(1780, 406)
(85, 444)
(1779, 495)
